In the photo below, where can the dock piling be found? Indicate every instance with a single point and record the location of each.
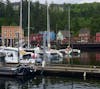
(84, 75)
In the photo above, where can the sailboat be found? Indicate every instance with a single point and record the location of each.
(69, 50)
(33, 50)
(51, 52)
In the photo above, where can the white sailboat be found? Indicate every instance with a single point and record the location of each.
(13, 55)
(69, 50)
(49, 51)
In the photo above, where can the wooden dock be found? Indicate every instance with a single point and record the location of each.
(82, 46)
(21, 70)
(71, 71)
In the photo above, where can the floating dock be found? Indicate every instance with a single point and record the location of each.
(71, 71)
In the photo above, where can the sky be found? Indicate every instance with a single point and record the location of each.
(63, 1)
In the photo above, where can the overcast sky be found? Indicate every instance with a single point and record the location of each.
(63, 1)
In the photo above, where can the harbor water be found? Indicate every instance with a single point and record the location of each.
(49, 82)
(90, 58)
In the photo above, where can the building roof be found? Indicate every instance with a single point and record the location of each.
(65, 33)
(84, 30)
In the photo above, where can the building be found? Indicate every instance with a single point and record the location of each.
(11, 34)
(84, 35)
(98, 37)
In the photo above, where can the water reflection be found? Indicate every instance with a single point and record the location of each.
(91, 58)
(13, 82)
(85, 58)
(49, 83)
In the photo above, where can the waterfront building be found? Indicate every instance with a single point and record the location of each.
(84, 35)
(11, 34)
(98, 37)
(63, 36)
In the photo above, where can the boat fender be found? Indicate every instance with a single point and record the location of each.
(33, 55)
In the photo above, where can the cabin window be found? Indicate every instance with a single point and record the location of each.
(28, 56)
(10, 54)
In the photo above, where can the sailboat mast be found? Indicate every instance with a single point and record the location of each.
(28, 21)
(21, 21)
(48, 26)
(21, 13)
(69, 23)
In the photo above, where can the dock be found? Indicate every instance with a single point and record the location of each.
(20, 70)
(84, 71)
(82, 46)
(74, 71)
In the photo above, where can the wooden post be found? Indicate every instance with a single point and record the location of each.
(84, 75)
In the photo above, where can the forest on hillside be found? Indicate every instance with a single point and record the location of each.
(85, 15)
